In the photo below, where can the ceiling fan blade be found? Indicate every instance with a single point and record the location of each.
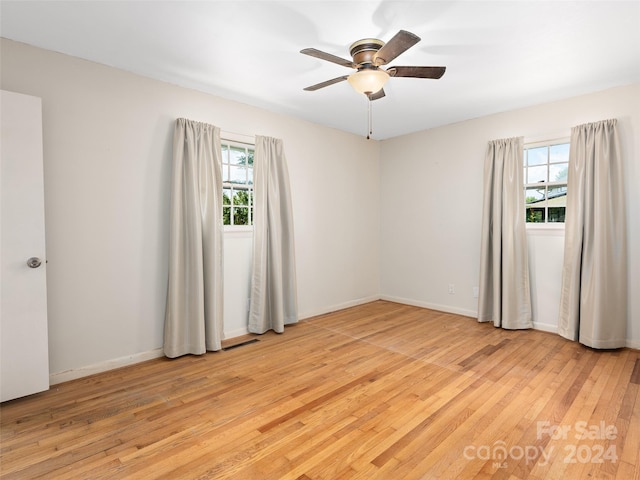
(375, 96)
(328, 57)
(326, 83)
(416, 72)
(400, 43)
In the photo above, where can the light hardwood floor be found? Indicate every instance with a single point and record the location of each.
(379, 391)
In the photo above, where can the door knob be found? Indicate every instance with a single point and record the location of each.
(34, 262)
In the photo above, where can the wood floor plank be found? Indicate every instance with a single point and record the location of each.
(377, 391)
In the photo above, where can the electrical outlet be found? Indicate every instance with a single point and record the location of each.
(475, 292)
(452, 289)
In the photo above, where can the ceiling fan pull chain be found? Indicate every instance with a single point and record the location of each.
(370, 129)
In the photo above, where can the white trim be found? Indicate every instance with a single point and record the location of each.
(548, 139)
(431, 306)
(545, 327)
(632, 344)
(238, 332)
(75, 373)
(553, 229)
(238, 231)
(238, 138)
(340, 306)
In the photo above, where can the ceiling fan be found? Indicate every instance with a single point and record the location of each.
(368, 56)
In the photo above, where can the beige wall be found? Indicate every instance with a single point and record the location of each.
(431, 191)
(107, 154)
(398, 218)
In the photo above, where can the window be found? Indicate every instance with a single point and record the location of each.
(237, 183)
(546, 166)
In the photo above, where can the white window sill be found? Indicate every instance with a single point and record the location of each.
(238, 231)
(547, 229)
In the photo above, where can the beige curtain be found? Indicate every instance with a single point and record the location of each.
(504, 292)
(593, 302)
(194, 311)
(273, 283)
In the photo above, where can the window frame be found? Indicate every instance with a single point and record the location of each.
(230, 142)
(531, 144)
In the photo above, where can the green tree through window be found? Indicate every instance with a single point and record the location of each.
(237, 183)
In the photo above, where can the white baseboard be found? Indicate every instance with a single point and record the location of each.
(339, 306)
(632, 344)
(545, 327)
(313, 313)
(238, 332)
(59, 377)
(73, 374)
(431, 306)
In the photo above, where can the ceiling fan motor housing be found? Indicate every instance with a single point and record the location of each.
(369, 54)
(363, 51)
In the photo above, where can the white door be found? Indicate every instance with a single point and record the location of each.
(24, 354)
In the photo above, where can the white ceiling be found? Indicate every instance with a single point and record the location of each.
(499, 55)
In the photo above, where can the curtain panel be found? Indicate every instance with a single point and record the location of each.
(593, 301)
(273, 301)
(504, 291)
(194, 310)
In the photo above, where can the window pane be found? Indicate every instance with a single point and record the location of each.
(558, 172)
(241, 197)
(225, 172)
(237, 156)
(241, 216)
(226, 196)
(559, 153)
(250, 197)
(535, 215)
(226, 215)
(556, 214)
(557, 196)
(238, 174)
(250, 175)
(534, 195)
(537, 156)
(537, 174)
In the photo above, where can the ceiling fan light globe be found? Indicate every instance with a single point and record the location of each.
(368, 81)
